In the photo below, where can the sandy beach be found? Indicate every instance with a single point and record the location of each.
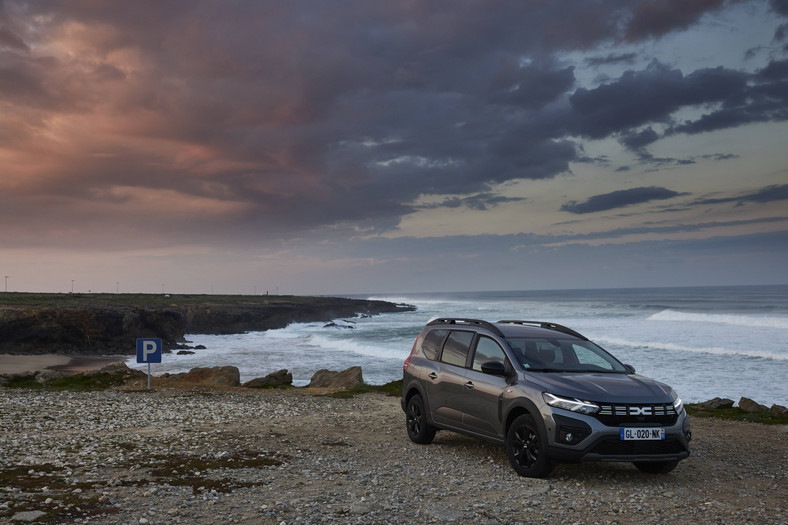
(20, 364)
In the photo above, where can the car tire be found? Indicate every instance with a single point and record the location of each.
(655, 467)
(419, 430)
(527, 449)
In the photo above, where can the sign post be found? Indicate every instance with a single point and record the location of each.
(149, 351)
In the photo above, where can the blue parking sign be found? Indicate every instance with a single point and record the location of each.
(149, 350)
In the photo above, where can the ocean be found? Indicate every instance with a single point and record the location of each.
(706, 342)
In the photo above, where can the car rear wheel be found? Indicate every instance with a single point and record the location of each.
(419, 430)
(655, 467)
(526, 449)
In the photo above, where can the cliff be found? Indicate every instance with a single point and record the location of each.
(110, 324)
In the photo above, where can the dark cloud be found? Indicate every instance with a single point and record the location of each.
(777, 192)
(481, 201)
(619, 199)
(654, 18)
(263, 119)
(636, 140)
(762, 98)
(529, 87)
(10, 40)
(780, 6)
(624, 58)
(649, 96)
(781, 33)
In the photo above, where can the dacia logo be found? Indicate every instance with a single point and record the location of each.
(640, 411)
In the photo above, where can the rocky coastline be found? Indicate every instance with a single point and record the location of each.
(108, 324)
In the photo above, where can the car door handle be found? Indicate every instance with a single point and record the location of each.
(433, 375)
(469, 385)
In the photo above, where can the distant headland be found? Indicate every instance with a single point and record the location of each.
(103, 324)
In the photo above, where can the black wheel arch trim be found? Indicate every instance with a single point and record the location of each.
(414, 388)
(519, 406)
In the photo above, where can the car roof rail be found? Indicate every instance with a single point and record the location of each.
(550, 326)
(474, 322)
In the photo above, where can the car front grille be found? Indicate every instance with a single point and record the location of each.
(631, 414)
(615, 447)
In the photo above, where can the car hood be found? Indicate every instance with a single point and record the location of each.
(613, 388)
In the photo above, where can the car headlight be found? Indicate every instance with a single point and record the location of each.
(677, 402)
(567, 403)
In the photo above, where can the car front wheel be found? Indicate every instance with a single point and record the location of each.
(419, 430)
(526, 449)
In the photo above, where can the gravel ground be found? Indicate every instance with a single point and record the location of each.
(239, 456)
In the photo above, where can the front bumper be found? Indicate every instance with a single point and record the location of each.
(573, 437)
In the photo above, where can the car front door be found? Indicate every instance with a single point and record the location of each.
(482, 392)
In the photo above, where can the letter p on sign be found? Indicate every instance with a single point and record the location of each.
(149, 350)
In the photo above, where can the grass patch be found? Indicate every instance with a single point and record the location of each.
(77, 300)
(27, 482)
(393, 389)
(766, 417)
(191, 471)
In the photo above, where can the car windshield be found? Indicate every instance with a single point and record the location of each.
(563, 355)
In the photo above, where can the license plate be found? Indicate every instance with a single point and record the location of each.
(641, 434)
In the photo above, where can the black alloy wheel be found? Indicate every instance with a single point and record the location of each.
(526, 448)
(419, 430)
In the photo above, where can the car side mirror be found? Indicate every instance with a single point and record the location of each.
(495, 368)
(630, 369)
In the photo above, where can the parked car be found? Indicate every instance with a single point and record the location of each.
(543, 391)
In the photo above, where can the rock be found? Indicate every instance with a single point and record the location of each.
(184, 352)
(212, 377)
(28, 516)
(278, 378)
(43, 376)
(748, 405)
(779, 409)
(717, 403)
(119, 368)
(332, 324)
(345, 379)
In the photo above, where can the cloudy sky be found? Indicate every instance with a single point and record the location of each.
(351, 146)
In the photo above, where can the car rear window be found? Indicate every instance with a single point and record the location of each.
(432, 343)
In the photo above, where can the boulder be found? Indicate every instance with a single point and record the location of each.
(220, 376)
(717, 403)
(332, 324)
(748, 405)
(48, 374)
(274, 379)
(345, 379)
(779, 409)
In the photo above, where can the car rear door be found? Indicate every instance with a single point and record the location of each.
(445, 385)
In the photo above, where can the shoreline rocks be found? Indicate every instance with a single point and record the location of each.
(345, 379)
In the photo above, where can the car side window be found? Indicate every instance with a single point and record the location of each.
(455, 350)
(487, 350)
(431, 345)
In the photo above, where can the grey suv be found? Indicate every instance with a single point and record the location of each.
(544, 391)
